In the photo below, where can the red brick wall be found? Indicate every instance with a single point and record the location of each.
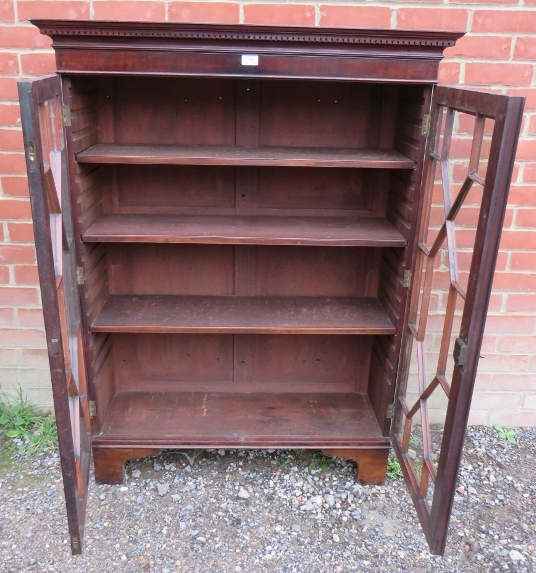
(499, 51)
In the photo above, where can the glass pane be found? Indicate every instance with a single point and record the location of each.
(411, 428)
(437, 209)
(415, 449)
(469, 158)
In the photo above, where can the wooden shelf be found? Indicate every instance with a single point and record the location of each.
(232, 155)
(260, 230)
(228, 419)
(242, 315)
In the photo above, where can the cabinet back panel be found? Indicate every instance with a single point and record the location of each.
(316, 360)
(169, 189)
(171, 269)
(210, 270)
(142, 360)
(316, 271)
(320, 189)
(197, 362)
(195, 111)
(157, 188)
(314, 114)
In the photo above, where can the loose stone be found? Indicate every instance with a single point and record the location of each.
(330, 500)
(516, 555)
(162, 489)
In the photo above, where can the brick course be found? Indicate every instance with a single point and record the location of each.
(498, 53)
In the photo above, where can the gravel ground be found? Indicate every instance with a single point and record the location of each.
(253, 511)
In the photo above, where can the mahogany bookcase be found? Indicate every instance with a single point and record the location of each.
(230, 227)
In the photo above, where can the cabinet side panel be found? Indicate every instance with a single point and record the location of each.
(381, 383)
(104, 375)
(88, 206)
(414, 102)
(81, 96)
(402, 203)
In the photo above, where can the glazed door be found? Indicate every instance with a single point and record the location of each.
(42, 123)
(468, 166)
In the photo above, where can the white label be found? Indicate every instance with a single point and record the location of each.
(250, 60)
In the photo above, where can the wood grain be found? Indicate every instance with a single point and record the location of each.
(242, 315)
(222, 229)
(228, 420)
(109, 463)
(232, 155)
(371, 464)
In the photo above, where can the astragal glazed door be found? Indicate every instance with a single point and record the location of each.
(463, 210)
(42, 122)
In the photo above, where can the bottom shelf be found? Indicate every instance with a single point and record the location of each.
(240, 420)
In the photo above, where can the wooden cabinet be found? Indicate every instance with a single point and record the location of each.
(230, 229)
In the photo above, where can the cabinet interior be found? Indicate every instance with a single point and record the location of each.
(244, 245)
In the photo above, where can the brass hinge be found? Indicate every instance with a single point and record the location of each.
(80, 275)
(407, 279)
(390, 411)
(92, 409)
(66, 110)
(30, 151)
(426, 120)
(460, 352)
